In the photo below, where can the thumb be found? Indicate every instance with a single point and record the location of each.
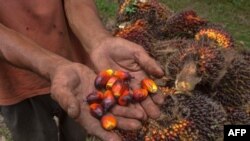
(67, 101)
(148, 64)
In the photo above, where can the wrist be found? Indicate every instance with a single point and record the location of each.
(53, 64)
(97, 41)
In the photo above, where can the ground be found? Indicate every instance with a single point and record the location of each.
(233, 14)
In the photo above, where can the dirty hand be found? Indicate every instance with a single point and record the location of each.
(120, 54)
(71, 83)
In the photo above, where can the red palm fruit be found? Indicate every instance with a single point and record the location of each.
(117, 88)
(112, 80)
(108, 100)
(95, 97)
(102, 78)
(122, 75)
(96, 110)
(125, 86)
(125, 98)
(108, 122)
(109, 72)
(149, 85)
(140, 95)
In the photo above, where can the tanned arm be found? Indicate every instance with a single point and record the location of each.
(84, 20)
(23, 52)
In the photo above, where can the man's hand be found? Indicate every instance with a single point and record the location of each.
(120, 54)
(71, 83)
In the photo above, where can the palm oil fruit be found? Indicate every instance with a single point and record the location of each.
(112, 80)
(125, 98)
(95, 97)
(96, 110)
(108, 100)
(149, 85)
(108, 122)
(140, 94)
(113, 87)
(102, 78)
(122, 75)
(117, 88)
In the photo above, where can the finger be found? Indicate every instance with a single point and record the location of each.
(93, 126)
(158, 98)
(128, 112)
(136, 82)
(138, 106)
(148, 105)
(128, 124)
(148, 63)
(67, 101)
(135, 85)
(151, 108)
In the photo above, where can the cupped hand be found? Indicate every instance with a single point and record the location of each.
(70, 84)
(120, 54)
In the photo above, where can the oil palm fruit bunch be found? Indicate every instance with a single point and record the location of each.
(152, 130)
(209, 68)
(233, 87)
(176, 56)
(217, 34)
(183, 24)
(164, 50)
(136, 32)
(206, 115)
(239, 115)
(184, 117)
(113, 88)
(150, 10)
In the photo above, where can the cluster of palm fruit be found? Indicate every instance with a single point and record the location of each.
(113, 88)
(151, 10)
(206, 82)
(136, 32)
(188, 118)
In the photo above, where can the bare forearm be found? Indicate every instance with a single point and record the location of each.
(23, 52)
(84, 21)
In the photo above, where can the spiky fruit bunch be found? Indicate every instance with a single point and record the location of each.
(216, 34)
(151, 10)
(152, 130)
(183, 118)
(245, 54)
(207, 116)
(204, 66)
(233, 89)
(137, 33)
(183, 24)
(168, 51)
(181, 56)
(239, 116)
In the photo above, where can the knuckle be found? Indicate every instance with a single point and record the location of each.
(139, 114)
(135, 125)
